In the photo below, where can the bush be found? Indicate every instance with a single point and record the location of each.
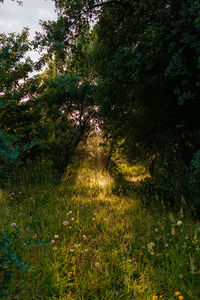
(11, 252)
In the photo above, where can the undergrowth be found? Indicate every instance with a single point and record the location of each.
(103, 244)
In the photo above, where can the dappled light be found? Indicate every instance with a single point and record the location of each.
(100, 152)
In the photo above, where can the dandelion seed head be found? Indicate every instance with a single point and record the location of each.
(65, 223)
(97, 264)
(150, 245)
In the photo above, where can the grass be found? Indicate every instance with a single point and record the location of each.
(102, 243)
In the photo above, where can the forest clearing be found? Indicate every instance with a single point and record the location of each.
(90, 237)
(100, 149)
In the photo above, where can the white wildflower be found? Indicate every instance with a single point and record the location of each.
(13, 224)
(65, 223)
(56, 236)
(179, 223)
(150, 245)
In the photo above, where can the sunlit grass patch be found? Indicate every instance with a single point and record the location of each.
(101, 245)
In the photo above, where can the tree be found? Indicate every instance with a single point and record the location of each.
(19, 117)
(146, 65)
(67, 104)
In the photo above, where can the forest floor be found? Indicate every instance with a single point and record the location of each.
(89, 237)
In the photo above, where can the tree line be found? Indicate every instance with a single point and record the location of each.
(131, 66)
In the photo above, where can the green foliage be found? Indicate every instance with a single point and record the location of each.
(67, 103)
(11, 255)
(7, 150)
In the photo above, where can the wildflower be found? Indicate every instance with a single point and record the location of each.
(155, 297)
(97, 264)
(69, 273)
(179, 223)
(86, 250)
(166, 245)
(65, 223)
(71, 250)
(93, 219)
(56, 236)
(72, 219)
(13, 224)
(156, 230)
(70, 227)
(177, 293)
(85, 237)
(54, 248)
(53, 241)
(76, 245)
(150, 245)
(161, 296)
(180, 297)
(76, 221)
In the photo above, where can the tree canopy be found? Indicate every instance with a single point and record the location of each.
(131, 65)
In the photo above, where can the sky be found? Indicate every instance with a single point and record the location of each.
(14, 17)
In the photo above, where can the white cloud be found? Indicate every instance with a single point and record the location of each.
(14, 17)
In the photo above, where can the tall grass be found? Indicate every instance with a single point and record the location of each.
(102, 243)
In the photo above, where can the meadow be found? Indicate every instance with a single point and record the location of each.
(89, 237)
